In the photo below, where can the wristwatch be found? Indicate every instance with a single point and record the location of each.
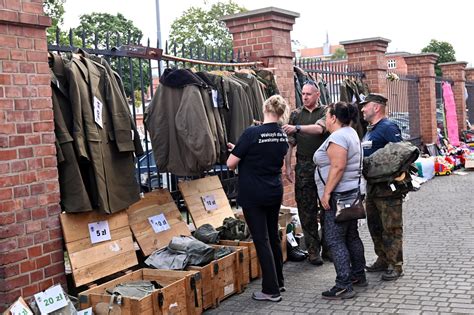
(298, 128)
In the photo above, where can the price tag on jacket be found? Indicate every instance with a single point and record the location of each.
(87, 311)
(98, 112)
(291, 239)
(209, 202)
(214, 98)
(18, 308)
(99, 231)
(159, 223)
(51, 299)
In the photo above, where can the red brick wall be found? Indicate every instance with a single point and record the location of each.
(31, 256)
(422, 65)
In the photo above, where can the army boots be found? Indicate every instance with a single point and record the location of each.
(314, 257)
(378, 265)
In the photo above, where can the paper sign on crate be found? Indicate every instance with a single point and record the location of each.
(99, 231)
(159, 223)
(51, 299)
(19, 308)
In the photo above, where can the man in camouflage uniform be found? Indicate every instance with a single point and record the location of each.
(383, 203)
(307, 131)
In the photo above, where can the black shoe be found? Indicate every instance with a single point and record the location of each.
(377, 266)
(315, 259)
(338, 294)
(359, 282)
(392, 275)
(294, 254)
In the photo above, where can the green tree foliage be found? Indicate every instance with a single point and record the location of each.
(102, 30)
(340, 53)
(55, 10)
(445, 51)
(198, 27)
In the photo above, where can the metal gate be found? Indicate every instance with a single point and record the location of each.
(403, 105)
(470, 101)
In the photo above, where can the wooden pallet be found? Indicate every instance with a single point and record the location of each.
(155, 203)
(90, 262)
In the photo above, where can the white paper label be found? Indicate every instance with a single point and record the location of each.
(291, 239)
(99, 231)
(392, 187)
(229, 289)
(87, 311)
(19, 309)
(214, 98)
(51, 300)
(209, 202)
(159, 223)
(98, 112)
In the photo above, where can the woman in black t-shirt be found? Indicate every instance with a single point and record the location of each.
(259, 153)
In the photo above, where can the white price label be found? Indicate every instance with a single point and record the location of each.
(159, 223)
(291, 239)
(99, 231)
(209, 202)
(19, 309)
(87, 311)
(214, 98)
(229, 289)
(51, 300)
(98, 112)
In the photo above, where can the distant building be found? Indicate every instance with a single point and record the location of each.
(321, 53)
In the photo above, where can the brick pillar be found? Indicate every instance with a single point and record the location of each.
(422, 65)
(469, 74)
(265, 34)
(456, 71)
(369, 54)
(31, 250)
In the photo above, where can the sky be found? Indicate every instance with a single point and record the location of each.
(408, 29)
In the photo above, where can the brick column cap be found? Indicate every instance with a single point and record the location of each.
(253, 13)
(421, 58)
(365, 40)
(462, 64)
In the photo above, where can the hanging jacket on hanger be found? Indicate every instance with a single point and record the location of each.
(179, 127)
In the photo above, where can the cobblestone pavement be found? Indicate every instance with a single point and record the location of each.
(439, 264)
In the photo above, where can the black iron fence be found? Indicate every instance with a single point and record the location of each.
(470, 101)
(333, 73)
(403, 105)
(140, 68)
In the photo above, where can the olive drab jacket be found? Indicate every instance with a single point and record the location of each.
(103, 135)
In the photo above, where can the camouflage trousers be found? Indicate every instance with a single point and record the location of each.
(385, 222)
(306, 197)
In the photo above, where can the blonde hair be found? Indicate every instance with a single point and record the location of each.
(277, 105)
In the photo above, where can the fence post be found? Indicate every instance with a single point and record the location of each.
(456, 71)
(265, 33)
(422, 65)
(31, 249)
(369, 54)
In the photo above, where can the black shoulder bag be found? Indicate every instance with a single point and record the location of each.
(349, 204)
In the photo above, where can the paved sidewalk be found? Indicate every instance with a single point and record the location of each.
(439, 264)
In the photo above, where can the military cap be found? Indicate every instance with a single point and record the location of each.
(376, 98)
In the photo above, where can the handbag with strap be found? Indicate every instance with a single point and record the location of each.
(349, 204)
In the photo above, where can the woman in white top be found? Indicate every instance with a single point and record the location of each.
(338, 168)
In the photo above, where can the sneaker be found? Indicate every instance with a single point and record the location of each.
(378, 265)
(282, 289)
(392, 275)
(260, 296)
(338, 294)
(359, 282)
(315, 259)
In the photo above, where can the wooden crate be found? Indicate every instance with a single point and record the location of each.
(243, 267)
(167, 300)
(193, 191)
(90, 262)
(220, 279)
(155, 203)
(255, 270)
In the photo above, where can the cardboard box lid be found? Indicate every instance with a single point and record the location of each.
(193, 193)
(89, 261)
(155, 203)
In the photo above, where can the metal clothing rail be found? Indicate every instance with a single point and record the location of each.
(211, 63)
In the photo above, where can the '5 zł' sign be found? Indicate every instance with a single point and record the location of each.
(99, 231)
(51, 299)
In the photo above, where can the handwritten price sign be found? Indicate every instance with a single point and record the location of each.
(209, 202)
(51, 300)
(99, 231)
(159, 223)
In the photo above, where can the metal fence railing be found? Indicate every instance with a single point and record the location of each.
(403, 105)
(470, 101)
